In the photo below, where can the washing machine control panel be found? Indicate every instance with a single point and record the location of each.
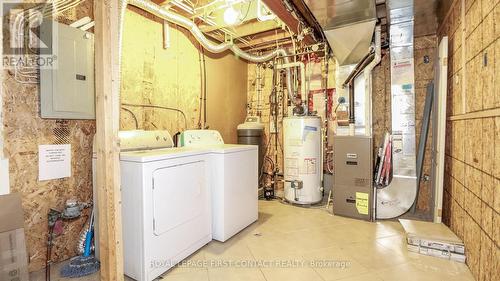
(144, 140)
(192, 138)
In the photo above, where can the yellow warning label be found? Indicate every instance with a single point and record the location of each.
(362, 203)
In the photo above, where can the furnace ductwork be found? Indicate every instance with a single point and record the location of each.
(174, 18)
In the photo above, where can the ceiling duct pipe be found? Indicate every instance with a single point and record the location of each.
(400, 195)
(348, 26)
(302, 68)
(174, 18)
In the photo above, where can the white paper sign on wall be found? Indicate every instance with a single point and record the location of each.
(4, 177)
(54, 161)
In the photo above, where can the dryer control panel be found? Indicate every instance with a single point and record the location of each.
(197, 138)
(144, 140)
(141, 140)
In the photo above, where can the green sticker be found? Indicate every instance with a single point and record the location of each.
(407, 86)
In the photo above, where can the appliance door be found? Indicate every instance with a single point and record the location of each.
(177, 211)
(178, 196)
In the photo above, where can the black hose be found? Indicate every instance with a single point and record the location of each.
(133, 116)
(201, 87)
(160, 107)
(359, 67)
(350, 82)
(351, 102)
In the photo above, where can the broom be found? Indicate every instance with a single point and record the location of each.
(86, 264)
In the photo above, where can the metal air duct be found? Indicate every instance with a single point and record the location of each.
(348, 26)
(399, 196)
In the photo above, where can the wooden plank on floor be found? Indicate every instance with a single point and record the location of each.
(107, 121)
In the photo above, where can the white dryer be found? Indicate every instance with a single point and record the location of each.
(134, 140)
(234, 181)
(166, 203)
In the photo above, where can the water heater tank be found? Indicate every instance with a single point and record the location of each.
(302, 159)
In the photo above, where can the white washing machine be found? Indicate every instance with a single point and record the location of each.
(166, 202)
(234, 181)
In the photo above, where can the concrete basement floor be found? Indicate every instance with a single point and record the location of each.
(293, 237)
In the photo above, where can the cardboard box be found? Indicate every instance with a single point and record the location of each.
(13, 256)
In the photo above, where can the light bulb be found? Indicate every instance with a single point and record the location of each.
(231, 16)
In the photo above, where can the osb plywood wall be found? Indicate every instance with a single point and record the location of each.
(424, 73)
(472, 174)
(24, 130)
(259, 104)
(226, 95)
(152, 74)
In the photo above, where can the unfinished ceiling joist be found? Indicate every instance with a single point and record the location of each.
(279, 9)
(107, 85)
(248, 28)
(161, 2)
(269, 39)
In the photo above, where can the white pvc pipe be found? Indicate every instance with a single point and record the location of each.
(369, 87)
(166, 35)
(369, 81)
(163, 13)
(352, 127)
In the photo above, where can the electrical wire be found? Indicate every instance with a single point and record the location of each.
(266, 158)
(33, 72)
(160, 107)
(30, 75)
(201, 86)
(212, 47)
(133, 116)
(248, 10)
(269, 136)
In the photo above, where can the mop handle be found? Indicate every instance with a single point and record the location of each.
(88, 238)
(88, 241)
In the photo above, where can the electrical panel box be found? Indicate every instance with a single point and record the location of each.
(353, 177)
(67, 90)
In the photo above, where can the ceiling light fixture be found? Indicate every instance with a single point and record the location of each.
(231, 16)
